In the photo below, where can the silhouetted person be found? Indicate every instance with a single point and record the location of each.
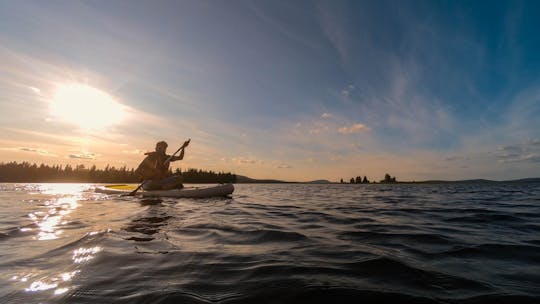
(154, 169)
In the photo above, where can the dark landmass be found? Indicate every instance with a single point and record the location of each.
(26, 172)
(240, 179)
(32, 173)
(526, 180)
(320, 181)
(479, 181)
(248, 180)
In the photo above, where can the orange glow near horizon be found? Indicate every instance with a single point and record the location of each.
(85, 106)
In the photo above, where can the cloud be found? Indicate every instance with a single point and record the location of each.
(519, 120)
(347, 91)
(251, 161)
(455, 158)
(515, 158)
(319, 129)
(241, 160)
(534, 142)
(284, 167)
(333, 26)
(84, 155)
(510, 148)
(355, 128)
(534, 158)
(245, 160)
(35, 150)
(326, 115)
(525, 152)
(35, 90)
(135, 151)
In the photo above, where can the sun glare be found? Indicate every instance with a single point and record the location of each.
(85, 106)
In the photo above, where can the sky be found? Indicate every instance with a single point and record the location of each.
(291, 90)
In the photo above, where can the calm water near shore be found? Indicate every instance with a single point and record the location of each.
(273, 243)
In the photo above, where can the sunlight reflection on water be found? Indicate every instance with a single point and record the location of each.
(64, 201)
(49, 222)
(85, 254)
(80, 255)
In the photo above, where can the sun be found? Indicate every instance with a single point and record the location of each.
(85, 106)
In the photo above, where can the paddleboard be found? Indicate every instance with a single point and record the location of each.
(189, 192)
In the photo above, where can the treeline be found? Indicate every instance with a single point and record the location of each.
(388, 179)
(26, 172)
(200, 176)
(359, 180)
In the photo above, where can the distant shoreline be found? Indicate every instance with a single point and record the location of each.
(26, 172)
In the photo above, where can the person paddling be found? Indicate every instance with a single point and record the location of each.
(154, 169)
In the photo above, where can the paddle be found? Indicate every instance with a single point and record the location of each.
(186, 143)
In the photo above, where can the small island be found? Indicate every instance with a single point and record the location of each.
(388, 179)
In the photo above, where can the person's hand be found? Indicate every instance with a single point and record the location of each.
(186, 143)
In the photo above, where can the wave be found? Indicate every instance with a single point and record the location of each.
(485, 218)
(147, 225)
(506, 252)
(19, 231)
(236, 235)
(422, 238)
(387, 271)
(305, 294)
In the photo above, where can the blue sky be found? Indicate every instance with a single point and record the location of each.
(295, 90)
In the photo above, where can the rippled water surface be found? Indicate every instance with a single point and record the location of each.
(279, 243)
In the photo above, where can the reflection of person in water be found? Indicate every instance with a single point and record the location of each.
(148, 224)
(154, 169)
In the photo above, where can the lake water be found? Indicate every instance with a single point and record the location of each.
(273, 243)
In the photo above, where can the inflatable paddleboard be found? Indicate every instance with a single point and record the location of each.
(189, 192)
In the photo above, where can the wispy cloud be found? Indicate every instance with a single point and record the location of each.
(512, 158)
(83, 155)
(517, 148)
(347, 92)
(333, 27)
(38, 151)
(135, 151)
(284, 167)
(522, 118)
(455, 158)
(528, 152)
(42, 152)
(242, 160)
(534, 142)
(355, 128)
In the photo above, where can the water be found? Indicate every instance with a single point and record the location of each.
(279, 243)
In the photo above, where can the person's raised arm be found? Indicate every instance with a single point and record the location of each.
(181, 156)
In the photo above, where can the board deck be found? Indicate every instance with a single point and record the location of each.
(190, 192)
